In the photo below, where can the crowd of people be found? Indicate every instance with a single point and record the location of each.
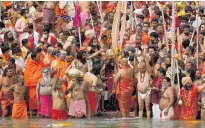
(63, 60)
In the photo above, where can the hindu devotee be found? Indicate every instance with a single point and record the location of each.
(85, 59)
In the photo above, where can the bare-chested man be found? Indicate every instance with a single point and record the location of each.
(92, 81)
(18, 70)
(197, 81)
(202, 99)
(6, 96)
(167, 100)
(44, 93)
(19, 110)
(59, 111)
(78, 90)
(143, 77)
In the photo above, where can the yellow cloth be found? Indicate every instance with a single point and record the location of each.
(24, 52)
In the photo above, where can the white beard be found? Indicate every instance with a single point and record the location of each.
(47, 80)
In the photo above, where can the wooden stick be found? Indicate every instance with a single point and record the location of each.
(197, 41)
(173, 43)
(79, 36)
(191, 44)
(165, 30)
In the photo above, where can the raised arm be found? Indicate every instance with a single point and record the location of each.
(200, 88)
(56, 81)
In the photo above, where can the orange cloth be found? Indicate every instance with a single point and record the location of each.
(5, 59)
(32, 98)
(51, 58)
(6, 4)
(32, 74)
(145, 38)
(188, 109)
(63, 65)
(19, 110)
(124, 93)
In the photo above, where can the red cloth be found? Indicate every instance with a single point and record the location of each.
(110, 81)
(5, 100)
(31, 42)
(32, 98)
(124, 93)
(156, 96)
(132, 102)
(189, 103)
(59, 114)
(92, 100)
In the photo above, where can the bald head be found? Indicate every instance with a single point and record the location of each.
(124, 61)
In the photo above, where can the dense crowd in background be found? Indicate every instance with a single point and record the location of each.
(65, 60)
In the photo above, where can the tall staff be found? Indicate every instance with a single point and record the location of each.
(197, 39)
(173, 28)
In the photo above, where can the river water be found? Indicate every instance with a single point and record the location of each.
(100, 123)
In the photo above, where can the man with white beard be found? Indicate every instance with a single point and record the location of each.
(44, 93)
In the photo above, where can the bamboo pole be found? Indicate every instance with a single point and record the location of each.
(173, 28)
(197, 41)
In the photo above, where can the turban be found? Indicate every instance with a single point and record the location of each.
(185, 80)
(70, 38)
(89, 33)
(106, 11)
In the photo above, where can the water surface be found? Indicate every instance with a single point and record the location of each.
(100, 123)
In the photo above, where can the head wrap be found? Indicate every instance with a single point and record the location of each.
(89, 33)
(185, 80)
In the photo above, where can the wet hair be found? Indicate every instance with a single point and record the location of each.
(24, 42)
(59, 45)
(80, 56)
(184, 18)
(162, 70)
(154, 20)
(192, 19)
(154, 34)
(188, 9)
(23, 11)
(96, 67)
(186, 26)
(140, 16)
(11, 60)
(168, 79)
(159, 24)
(16, 50)
(154, 59)
(6, 35)
(185, 43)
(46, 28)
(5, 48)
(139, 25)
(38, 50)
(14, 45)
(34, 55)
(9, 67)
(30, 26)
(146, 23)
(2, 25)
(191, 49)
(201, 10)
